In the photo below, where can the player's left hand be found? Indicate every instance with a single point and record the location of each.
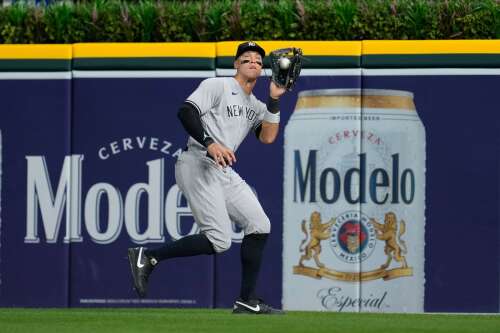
(275, 91)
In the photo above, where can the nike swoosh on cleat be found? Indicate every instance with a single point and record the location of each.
(253, 308)
(139, 259)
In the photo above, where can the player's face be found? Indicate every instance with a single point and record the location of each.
(249, 64)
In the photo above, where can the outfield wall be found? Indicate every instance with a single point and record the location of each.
(89, 137)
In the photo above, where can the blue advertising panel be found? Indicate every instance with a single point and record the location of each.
(35, 136)
(87, 170)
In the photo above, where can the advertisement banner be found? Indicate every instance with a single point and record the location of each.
(382, 191)
(387, 189)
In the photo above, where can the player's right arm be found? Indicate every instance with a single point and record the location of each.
(191, 121)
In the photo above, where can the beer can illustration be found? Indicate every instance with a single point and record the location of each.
(354, 202)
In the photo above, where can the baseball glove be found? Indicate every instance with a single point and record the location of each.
(286, 65)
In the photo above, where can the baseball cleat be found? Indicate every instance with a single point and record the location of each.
(256, 306)
(141, 268)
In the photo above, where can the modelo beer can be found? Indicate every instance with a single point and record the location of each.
(354, 202)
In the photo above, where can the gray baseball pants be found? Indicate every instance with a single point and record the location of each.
(218, 196)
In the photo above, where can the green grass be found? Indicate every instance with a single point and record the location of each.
(220, 321)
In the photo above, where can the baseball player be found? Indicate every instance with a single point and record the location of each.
(217, 116)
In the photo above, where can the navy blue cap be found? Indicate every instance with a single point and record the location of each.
(249, 46)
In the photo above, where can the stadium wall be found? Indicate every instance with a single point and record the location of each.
(89, 136)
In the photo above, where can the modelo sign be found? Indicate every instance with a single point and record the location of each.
(354, 202)
(163, 208)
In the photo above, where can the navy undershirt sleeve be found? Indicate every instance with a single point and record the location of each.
(191, 121)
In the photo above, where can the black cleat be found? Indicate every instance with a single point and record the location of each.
(255, 306)
(141, 267)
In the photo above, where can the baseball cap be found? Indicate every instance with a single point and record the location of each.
(249, 46)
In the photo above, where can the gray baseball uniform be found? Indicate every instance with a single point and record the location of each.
(219, 195)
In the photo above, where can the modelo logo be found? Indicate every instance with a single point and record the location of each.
(401, 185)
(161, 209)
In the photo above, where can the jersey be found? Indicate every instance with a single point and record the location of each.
(227, 112)
(218, 196)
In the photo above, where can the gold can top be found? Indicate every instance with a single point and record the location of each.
(355, 98)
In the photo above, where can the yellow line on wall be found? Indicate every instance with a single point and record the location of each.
(430, 47)
(210, 50)
(143, 50)
(36, 51)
